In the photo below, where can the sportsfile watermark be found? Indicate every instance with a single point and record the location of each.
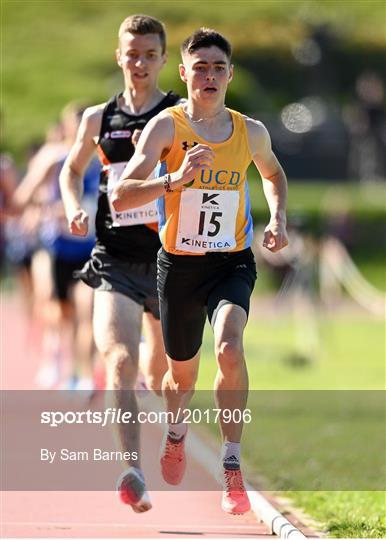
(112, 415)
(291, 440)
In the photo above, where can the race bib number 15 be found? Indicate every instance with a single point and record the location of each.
(207, 220)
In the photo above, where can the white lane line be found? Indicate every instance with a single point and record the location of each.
(162, 526)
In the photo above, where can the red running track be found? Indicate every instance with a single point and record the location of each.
(101, 514)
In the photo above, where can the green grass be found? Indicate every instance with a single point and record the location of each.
(311, 453)
(372, 270)
(346, 514)
(344, 352)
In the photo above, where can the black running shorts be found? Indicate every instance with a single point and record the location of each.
(63, 276)
(137, 281)
(193, 287)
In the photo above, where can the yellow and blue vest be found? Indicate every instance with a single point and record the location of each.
(213, 212)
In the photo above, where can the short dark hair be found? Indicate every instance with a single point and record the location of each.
(205, 38)
(141, 25)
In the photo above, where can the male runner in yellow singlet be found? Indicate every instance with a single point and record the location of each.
(205, 266)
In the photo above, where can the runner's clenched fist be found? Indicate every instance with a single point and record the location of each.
(200, 156)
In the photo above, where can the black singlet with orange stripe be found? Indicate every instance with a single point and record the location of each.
(137, 243)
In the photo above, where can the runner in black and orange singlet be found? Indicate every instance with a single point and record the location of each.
(122, 268)
(205, 267)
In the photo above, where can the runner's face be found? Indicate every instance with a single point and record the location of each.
(141, 59)
(207, 73)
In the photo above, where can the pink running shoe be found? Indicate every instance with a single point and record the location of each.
(132, 491)
(173, 460)
(234, 498)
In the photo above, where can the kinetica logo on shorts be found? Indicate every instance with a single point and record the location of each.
(121, 134)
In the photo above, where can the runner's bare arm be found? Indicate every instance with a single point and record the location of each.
(274, 184)
(134, 189)
(71, 176)
(40, 170)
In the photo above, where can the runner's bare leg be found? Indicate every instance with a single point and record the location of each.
(231, 383)
(117, 333)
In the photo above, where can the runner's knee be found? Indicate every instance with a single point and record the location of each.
(183, 375)
(229, 354)
(120, 364)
